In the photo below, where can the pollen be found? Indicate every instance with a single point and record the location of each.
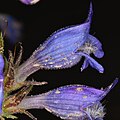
(36, 65)
(79, 89)
(57, 92)
(75, 114)
(85, 96)
(58, 66)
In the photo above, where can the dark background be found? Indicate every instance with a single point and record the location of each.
(47, 16)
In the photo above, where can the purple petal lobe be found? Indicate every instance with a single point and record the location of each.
(85, 65)
(92, 62)
(90, 13)
(96, 43)
(109, 88)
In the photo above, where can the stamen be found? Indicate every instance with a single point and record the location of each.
(88, 48)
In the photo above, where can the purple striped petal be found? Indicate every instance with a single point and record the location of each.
(72, 102)
(63, 49)
(57, 52)
(1, 81)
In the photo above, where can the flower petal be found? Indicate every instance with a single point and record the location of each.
(96, 43)
(29, 2)
(1, 64)
(58, 50)
(91, 61)
(69, 102)
(1, 81)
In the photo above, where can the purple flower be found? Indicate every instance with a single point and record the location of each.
(72, 102)
(63, 49)
(29, 2)
(1, 81)
(1, 64)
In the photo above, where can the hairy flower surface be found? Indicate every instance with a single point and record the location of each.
(72, 102)
(63, 49)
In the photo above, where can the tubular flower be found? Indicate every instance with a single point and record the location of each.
(63, 49)
(72, 102)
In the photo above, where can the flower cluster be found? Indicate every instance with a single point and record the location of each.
(63, 49)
